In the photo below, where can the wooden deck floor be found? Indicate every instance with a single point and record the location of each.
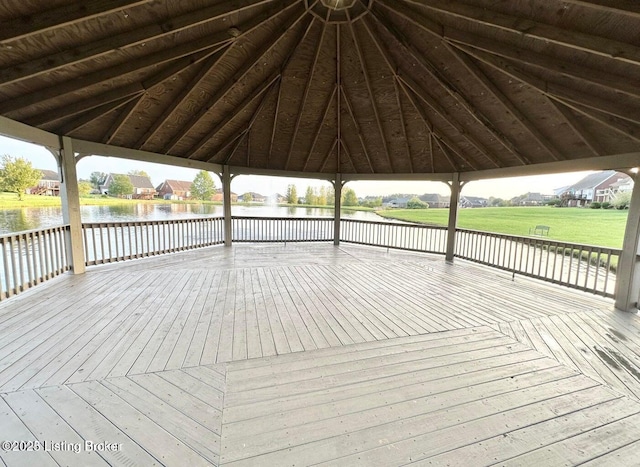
(306, 354)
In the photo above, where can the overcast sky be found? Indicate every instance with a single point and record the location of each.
(502, 188)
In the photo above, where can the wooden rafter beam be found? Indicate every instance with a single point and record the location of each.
(357, 127)
(454, 93)
(623, 7)
(604, 78)
(111, 43)
(327, 106)
(239, 141)
(338, 96)
(212, 44)
(91, 115)
(393, 69)
(64, 15)
(328, 155)
(185, 91)
(499, 96)
(616, 109)
(586, 136)
(621, 126)
(115, 94)
(446, 154)
(442, 112)
(51, 115)
(405, 137)
(305, 94)
(524, 27)
(343, 143)
(274, 128)
(431, 126)
(372, 95)
(232, 139)
(294, 18)
(263, 88)
(123, 116)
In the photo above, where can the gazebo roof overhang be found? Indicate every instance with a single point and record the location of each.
(372, 89)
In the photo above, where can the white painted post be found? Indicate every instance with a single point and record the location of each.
(627, 289)
(455, 186)
(71, 207)
(226, 202)
(337, 185)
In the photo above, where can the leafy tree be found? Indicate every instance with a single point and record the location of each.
(16, 175)
(322, 196)
(372, 202)
(622, 200)
(416, 203)
(349, 197)
(292, 195)
(247, 197)
(310, 197)
(140, 173)
(97, 179)
(84, 188)
(203, 186)
(331, 196)
(120, 186)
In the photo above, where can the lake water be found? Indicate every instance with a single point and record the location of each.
(16, 220)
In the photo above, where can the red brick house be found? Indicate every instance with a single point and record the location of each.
(174, 189)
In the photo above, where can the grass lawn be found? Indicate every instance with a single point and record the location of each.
(574, 225)
(11, 201)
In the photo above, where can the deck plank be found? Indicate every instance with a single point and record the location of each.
(312, 353)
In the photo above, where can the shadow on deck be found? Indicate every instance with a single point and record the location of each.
(305, 354)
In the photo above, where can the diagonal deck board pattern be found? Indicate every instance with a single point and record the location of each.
(301, 354)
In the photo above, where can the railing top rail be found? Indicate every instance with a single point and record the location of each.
(150, 222)
(545, 240)
(276, 218)
(399, 223)
(22, 233)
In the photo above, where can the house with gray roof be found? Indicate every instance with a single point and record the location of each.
(600, 187)
(142, 186)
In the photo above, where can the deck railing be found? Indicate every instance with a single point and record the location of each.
(107, 242)
(413, 237)
(30, 258)
(282, 229)
(585, 267)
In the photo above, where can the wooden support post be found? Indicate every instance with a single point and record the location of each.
(71, 206)
(456, 186)
(337, 185)
(627, 289)
(226, 202)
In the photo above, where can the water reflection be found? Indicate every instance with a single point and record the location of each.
(16, 220)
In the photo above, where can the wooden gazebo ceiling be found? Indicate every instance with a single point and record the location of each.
(351, 86)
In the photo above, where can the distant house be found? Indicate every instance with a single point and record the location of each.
(529, 199)
(435, 200)
(174, 189)
(142, 186)
(254, 197)
(217, 196)
(276, 198)
(49, 184)
(397, 203)
(473, 202)
(599, 186)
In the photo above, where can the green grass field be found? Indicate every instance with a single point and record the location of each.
(574, 225)
(11, 201)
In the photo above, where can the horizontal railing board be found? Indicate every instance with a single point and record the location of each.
(32, 257)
